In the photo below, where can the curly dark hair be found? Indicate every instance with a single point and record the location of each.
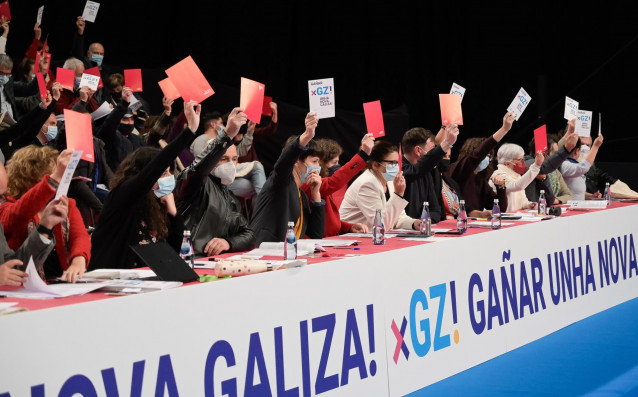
(150, 208)
(380, 150)
(327, 150)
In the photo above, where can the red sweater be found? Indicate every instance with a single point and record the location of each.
(15, 216)
(332, 184)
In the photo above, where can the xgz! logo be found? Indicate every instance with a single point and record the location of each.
(421, 335)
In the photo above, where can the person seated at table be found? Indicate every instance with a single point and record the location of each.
(574, 171)
(140, 208)
(513, 170)
(596, 178)
(473, 168)
(38, 244)
(549, 178)
(338, 180)
(381, 186)
(210, 210)
(281, 199)
(421, 157)
(34, 174)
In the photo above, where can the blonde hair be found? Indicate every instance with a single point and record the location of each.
(27, 167)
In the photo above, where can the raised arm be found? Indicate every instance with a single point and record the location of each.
(286, 161)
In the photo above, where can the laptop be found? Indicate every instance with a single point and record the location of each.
(165, 262)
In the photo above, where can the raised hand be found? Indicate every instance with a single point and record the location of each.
(367, 143)
(236, 119)
(192, 111)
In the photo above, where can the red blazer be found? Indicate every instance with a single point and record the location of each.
(15, 216)
(334, 225)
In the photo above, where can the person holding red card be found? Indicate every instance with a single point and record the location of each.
(421, 158)
(335, 182)
(141, 207)
(549, 178)
(381, 186)
(282, 201)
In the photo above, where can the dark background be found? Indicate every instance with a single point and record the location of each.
(403, 53)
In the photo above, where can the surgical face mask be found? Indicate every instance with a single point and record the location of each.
(4, 79)
(97, 59)
(584, 150)
(333, 169)
(520, 167)
(76, 82)
(52, 132)
(226, 172)
(309, 168)
(391, 171)
(444, 165)
(125, 129)
(166, 186)
(483, 164)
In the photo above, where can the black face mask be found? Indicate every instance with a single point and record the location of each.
(444, 165)
(333, 169)
(116, 95)
(125, 129)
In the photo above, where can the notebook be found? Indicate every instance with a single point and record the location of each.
(165, 262)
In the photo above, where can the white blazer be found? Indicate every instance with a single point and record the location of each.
(366, 195)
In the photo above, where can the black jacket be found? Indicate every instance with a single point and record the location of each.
(278, 203)
(116, 145)
(208, 208)
(420, 187)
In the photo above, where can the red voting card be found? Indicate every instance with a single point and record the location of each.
(251, 99)
(540, 139)
(400, 159)
(451, 109)
(266, 109)
(79, 135)
(42, 85)
(374, 118)
(66, 78)
(4, 10)
(169, 89)
(189, 80)
(36, 67)
(133, 79)
(95, 71)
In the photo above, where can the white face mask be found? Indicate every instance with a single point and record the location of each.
(584, 150)
(226, 172)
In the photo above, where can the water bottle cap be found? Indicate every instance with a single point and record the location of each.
(495, 201)
(291, 224)
(426, 203)
(542, 191)
(461, 201)
(187, 233)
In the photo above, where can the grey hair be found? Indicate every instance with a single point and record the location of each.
(508, 152)
(6, 61)
(72, 63)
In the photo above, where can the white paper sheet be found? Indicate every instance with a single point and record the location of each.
(520, 102)
(90, 11)
(458, 90)
(67, 177)
(321, 96)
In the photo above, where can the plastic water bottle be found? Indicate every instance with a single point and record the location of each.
(186, 250)
(542, 204)
(461, 218)
(607, 193)
(290, 245)
(378, 229)
(425, 227)
(496, 216)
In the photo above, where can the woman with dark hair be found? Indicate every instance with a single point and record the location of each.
(473, 168)
(372, 191)
(328, 152)
(140, 209)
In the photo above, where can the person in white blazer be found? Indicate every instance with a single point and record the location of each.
(513, 170)
(380, 186)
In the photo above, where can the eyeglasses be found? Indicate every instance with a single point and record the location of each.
(389, 162)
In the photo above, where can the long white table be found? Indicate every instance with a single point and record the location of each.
(382, 324)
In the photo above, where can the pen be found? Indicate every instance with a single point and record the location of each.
(479, 227)
(477, 219)
(347, 248)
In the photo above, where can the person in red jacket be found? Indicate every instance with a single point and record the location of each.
(34, 175)
(337, 180)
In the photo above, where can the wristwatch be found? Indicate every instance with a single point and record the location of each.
(43, 230)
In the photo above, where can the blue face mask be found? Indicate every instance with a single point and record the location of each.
(391, 171)
(52, 132)
(97, 59)
(483, 164)
(309, 168)
(4, 79)
(166, 186)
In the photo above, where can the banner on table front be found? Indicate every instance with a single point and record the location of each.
(504, 289)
